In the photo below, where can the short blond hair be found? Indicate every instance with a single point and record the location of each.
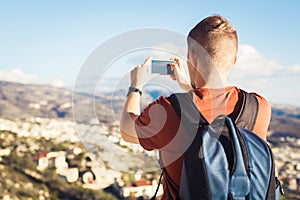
(217, 37)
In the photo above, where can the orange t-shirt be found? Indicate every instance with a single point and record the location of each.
(159, 127)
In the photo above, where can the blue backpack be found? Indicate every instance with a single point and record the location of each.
(224, 160)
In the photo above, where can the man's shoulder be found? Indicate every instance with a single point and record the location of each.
(263, 116)
(164, 101)
(177, 95)
(167, 99)
(167, 102)
(261, 99)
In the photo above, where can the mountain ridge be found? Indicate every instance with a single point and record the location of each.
(19, 100)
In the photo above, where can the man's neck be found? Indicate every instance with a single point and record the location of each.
(212, 81)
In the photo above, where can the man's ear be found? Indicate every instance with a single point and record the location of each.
(192, 57)
(235, 59)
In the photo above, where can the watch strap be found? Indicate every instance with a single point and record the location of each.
(132, 89)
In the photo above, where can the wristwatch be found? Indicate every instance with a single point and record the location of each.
(132, 89)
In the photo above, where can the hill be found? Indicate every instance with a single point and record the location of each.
(26, 100)
(285, 121)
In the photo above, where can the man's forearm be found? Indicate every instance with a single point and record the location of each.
(138, 78)
(132, 104)
(130, 112)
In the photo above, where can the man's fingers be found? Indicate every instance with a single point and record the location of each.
(175, 59)
(173, 77)
(176, 67)
(177, 64)
(148, 60)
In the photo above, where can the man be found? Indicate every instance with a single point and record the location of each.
(212, 52)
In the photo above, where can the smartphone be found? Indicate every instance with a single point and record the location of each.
(162, 67)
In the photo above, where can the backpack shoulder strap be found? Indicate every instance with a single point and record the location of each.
(248, 112)
(194, 122)
(186, 109)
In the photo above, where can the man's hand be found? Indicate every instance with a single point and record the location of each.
(139, 75)
(182, 77)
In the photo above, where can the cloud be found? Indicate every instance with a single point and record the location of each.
(251, 63)
(257, 73)
(17, 75)
(253, 72)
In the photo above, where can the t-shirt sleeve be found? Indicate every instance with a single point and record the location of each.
(157, 125)
(263, 117)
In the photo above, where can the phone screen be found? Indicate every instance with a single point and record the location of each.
(162, 67)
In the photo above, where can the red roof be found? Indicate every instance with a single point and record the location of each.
(142, 182)
(40, 155)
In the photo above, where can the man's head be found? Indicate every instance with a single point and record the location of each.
(213, 43)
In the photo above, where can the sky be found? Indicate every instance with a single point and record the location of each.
(47, 42)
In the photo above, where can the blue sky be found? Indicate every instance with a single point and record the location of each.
(50, 40)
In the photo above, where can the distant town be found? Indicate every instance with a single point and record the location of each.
(286, 151)
(54, 144)
(63, 152)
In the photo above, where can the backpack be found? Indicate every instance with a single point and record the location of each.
(224, 160)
